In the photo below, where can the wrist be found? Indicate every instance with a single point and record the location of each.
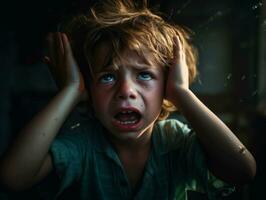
(75, 91)
(180, 95)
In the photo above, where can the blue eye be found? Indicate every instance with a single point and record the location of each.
(145, 76)
(107, 78)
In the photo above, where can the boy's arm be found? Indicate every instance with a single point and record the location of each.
(227, 157)
(27, 160)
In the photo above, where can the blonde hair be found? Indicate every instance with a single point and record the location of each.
(125, 24)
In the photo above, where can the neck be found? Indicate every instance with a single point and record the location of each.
(134, 146)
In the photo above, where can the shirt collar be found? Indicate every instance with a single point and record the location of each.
(158, 140)
(102, 144)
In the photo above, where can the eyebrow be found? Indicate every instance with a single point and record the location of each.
(106, 66)
(142, 66)
(109, 66)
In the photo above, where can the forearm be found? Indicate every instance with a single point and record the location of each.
(228, 158)
(26, 155)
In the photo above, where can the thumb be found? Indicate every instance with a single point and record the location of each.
(46, 60)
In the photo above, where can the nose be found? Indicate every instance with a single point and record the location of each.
(126, 89)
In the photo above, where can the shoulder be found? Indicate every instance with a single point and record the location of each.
(173, 128)
(173, 134)
(80, 134)
(74, 145)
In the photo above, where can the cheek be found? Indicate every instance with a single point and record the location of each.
(99, 105)
(98, 99)
(158, 90)
(155, 95)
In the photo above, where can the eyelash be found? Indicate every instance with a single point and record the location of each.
(107, 75)
(112, 77)
(145, 73)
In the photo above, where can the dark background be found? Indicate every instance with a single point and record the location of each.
(230, 36)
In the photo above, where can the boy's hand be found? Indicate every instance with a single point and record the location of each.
(62, 64)
(178, 75)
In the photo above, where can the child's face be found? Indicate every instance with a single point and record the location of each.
(127, 100)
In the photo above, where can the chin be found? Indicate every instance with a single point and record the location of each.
(127, 135)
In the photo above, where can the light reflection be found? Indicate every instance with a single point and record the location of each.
(254, 93)
(75, 126)
(216, 16)
(243, 77)
(256, 6)
(183, 7)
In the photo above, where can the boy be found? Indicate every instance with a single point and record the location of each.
(134, 68)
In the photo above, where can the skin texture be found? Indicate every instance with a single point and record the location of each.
(133, 86)
(227, 157)
(27, 161)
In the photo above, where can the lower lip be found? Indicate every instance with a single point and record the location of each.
(126, 127)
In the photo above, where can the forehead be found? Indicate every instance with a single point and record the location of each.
(104, 56)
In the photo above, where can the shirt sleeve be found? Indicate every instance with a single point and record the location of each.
(194, 172)
(67, 151)
(200, 178)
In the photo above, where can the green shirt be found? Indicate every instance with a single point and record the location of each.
(176, 164)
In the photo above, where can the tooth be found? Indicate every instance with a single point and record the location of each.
(126, 111)
(127, 122)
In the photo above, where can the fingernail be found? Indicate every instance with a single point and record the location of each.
(45, 59)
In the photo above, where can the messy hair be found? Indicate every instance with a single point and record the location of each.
(125, 24)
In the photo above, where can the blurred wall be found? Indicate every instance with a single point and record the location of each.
(262, 56)
(230, 37)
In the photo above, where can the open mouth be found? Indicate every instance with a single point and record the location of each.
(128, 117)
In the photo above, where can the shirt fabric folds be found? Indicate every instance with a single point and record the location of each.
(83, 156)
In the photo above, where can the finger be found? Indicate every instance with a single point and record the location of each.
(66, 45)
(52, 59)
(59, 48)
(46, 60)
(70, 58)
(68, 51)
(51, 48)
(59, 43)
(176, 49)
(179, 52)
